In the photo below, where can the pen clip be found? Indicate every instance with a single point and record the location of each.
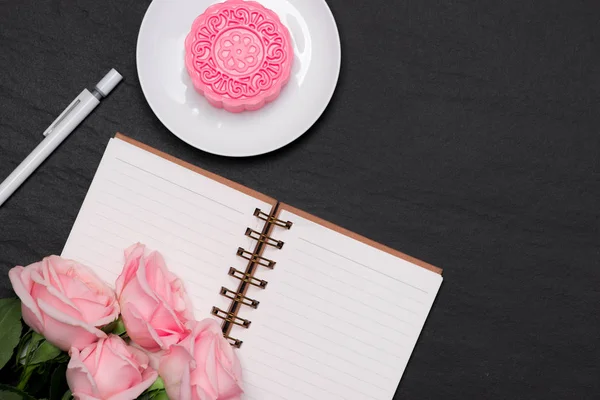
(62, 116)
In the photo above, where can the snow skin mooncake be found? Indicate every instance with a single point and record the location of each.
(239, 55)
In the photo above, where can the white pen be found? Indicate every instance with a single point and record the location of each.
(62, 127)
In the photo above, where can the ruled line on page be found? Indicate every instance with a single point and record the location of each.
(163, 230)
(166, 218)
(178, 185)
(110, 220)
(322, 350)
(375, 320)
(346, 271)
(363, 265)
(356, 287)
(175, 197)
(262, 389)
(101, 256)
(178, 250)
(312, 373)
(324, 339)
(107, 231)
(294, 377)
(331, 316)
(335, 367)
(177, 262)
(170, 208)
(100, 240)
(93, 265)
(346, 297)
(285, 386)
(270, 380)
(390, 343)
(333, 344)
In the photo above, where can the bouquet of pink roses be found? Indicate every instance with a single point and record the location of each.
(83, 339)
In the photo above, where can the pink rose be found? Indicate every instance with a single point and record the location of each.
(109, 370)
(64, 301)
(154, 304)
(203, 366)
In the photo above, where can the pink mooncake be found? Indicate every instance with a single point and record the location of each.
(239, 55)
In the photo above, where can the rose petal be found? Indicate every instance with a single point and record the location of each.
(79, 378)
(31, 320)
(157, 275)
(117, 372)
(95, 314)
(21, 283)
(54, 279)
(117, 376)
(56, 299)
(65, 331)
(185, 389)
(138, 292)
(227, 383)
(133, 256)
(218, 370)
(167, 320)
(211, 372)
(83, 396)
(75, 288)
(139, 330)
(124, 352)
(173, 365)
(184, 305)
(79, 272)
(133, 392)
(141, 279)
(143, 357)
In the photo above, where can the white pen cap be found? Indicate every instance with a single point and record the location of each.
(108, 83)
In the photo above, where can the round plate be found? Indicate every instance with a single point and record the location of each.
(186, 113)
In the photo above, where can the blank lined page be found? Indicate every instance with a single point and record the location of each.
(195, 222)
(337, 320)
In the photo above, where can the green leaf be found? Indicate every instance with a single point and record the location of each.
(160, 395)
(154, 394)
(157, 385)
(10, 332)
(120, 328)
(58, 382)
(10, 396)
(30, 344)
(67, 395)
(22, 347)
(46, 351)
(117, 327)
(25, 376)
(12, 393)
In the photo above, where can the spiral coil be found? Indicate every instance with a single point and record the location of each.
(255, 259)
(235, 296)
(269, 219)
(244, 277)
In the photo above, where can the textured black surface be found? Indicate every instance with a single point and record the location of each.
(464, 133)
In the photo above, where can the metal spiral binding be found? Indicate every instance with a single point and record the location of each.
(235, 296)
(255, 258)
(242, 276)
(272, 220)
(229, 317)
(238, 297)
(259, 237)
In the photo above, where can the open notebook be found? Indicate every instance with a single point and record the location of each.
(316, 312)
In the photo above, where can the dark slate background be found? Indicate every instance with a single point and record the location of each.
(462, 132)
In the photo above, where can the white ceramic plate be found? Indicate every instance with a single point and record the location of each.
(171, 95)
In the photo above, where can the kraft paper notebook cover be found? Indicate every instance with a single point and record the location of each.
(315, 311)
